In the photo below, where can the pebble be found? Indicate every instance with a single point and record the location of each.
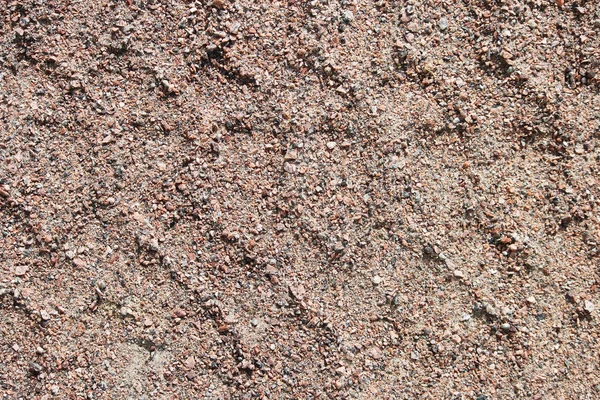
(79, 263)
(190, 362)
(126, 312)
(531, 300)
(45, 316)
(459, 274)
(35, 368)
(101, 285)
(443, 24)
(491, 311)
(376, 353)
(21, 270)
(347, 16)
(589, 306)
(331, 145)
(505, 326)
(220, 4)
(180, 313)
(376, 280)
(413, 27)
(291, 155)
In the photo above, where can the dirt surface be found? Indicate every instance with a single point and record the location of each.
(326, 199)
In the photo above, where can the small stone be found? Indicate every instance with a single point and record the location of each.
(505, 326)
(443, 24)
(291, 155)
(347, 16)
(531, 23)
(153, 245)
(190, 362)
(428, 251)
(572, 296)
(491, 311)
(180, 313)
(230, 319)
(459, 274)
(16, 347)
(376, 353)
(126, 312)
(465, 317)
(39, 350)
(164, 124)
(55, 390)
(456, 339)
(45, 316)
(540, 316)
(220, 4)
(331, 145)
(579, 149)
(589, 306)
(531, 300)
(413, 27)
(21, 270)
(35, 368)
(79, 263)
(271, 270)
(414, 355)
(376, 280)
(297, 292)
(101, 285)
(290, 168)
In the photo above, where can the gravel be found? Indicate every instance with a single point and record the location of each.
(324, 199)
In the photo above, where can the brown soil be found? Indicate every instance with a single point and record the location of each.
(299, 199)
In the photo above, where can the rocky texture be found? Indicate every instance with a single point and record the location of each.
(325, 199)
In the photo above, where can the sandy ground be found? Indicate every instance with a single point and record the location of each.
(299, 200)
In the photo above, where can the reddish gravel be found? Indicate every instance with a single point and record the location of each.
(299, 199)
